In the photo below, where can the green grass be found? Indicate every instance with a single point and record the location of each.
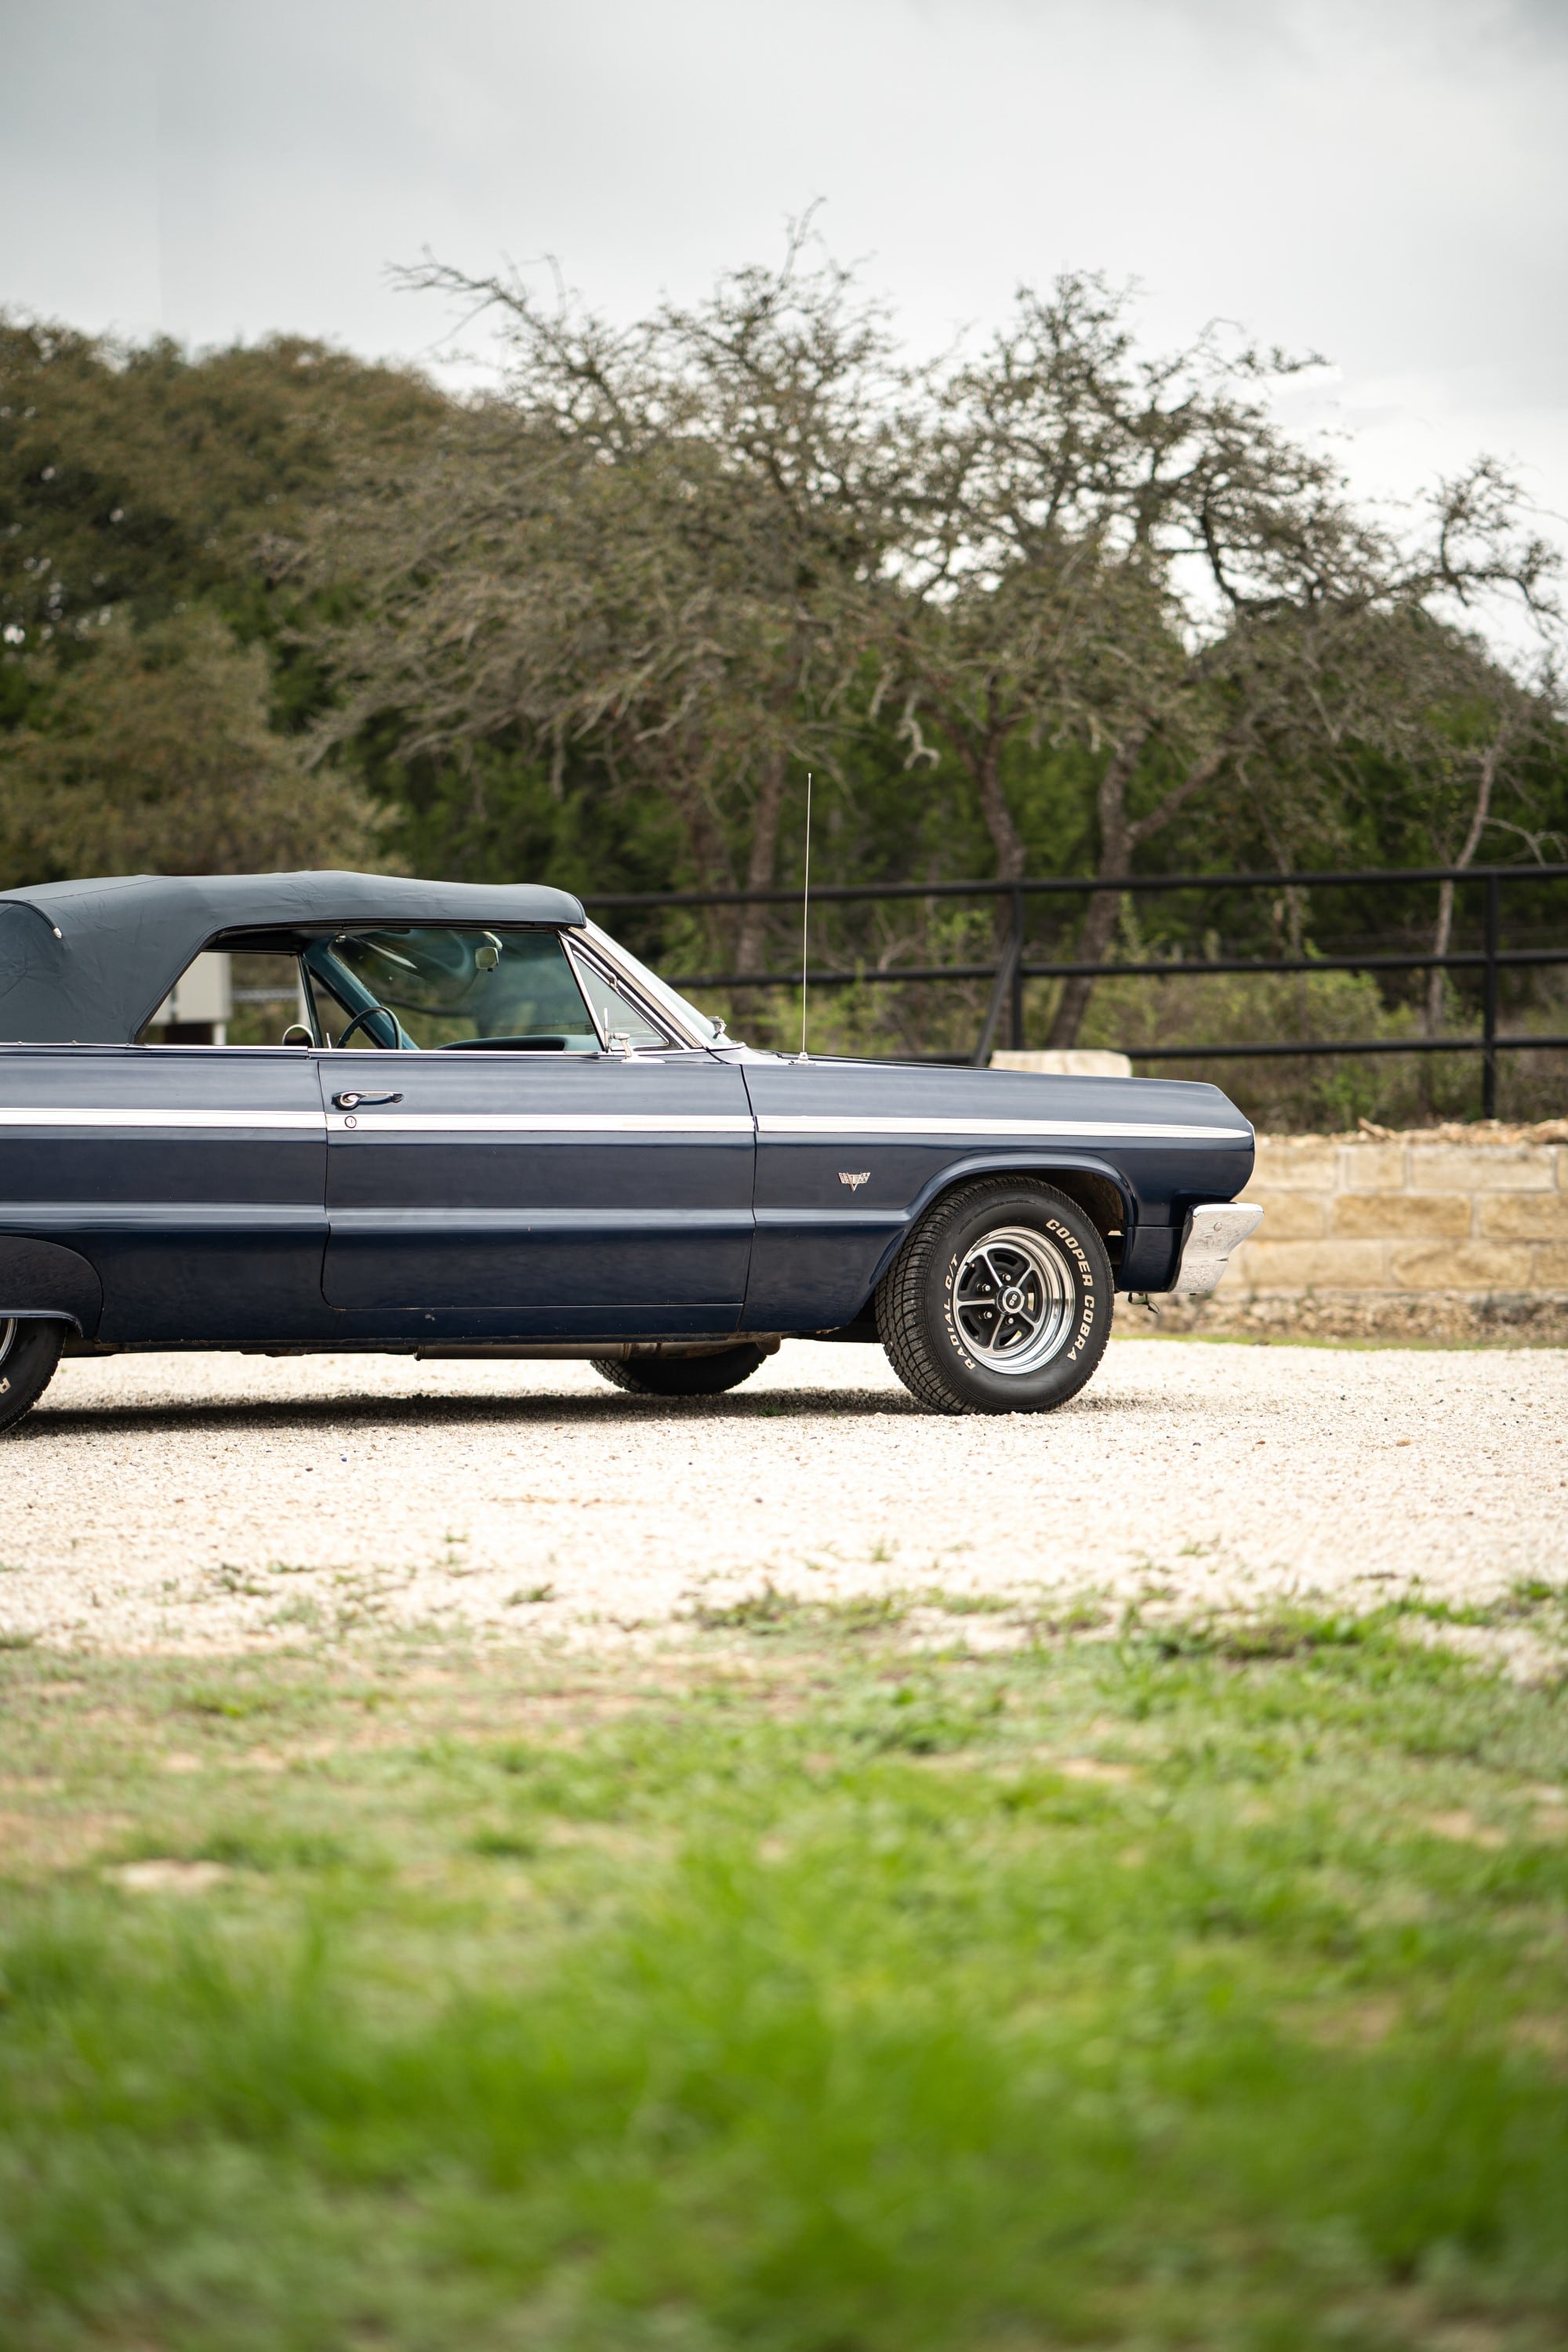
(1158, 1986)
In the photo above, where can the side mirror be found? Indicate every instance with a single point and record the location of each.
(296, 1034)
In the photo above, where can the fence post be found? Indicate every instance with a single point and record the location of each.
(1017, 972)
(1488, 999)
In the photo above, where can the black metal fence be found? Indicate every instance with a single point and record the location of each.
(1013, 964)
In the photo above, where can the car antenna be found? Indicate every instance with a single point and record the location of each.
(805, 913)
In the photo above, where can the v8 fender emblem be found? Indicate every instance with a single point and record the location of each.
(856, 1182)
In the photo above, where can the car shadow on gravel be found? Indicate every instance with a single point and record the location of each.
(283, 1414)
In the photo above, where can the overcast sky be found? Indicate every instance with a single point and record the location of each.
(1386, 181)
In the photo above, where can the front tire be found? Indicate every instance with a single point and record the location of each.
(681, 1376)
(999, 1302)
(28, 1354)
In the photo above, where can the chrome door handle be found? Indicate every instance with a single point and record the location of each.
(352, 1102)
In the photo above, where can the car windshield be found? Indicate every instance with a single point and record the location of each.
(450, 986)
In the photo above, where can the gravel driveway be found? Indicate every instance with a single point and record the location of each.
(204, 1502)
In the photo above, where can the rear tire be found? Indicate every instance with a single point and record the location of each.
(999, 1302)
(28, 1354)
(682, 1376)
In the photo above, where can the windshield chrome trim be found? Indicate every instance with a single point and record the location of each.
(595, 942)
(569, 950)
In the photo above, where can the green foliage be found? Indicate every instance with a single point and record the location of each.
(134, 478)
(153, 754)
(274, 605)
(152, 667)
(1192, 1007)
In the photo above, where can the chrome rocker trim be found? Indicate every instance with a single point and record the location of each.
(1214, 1230)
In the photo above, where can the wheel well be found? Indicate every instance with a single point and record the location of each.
(1094, 1193)
(43, 1278)
(1100, 1199)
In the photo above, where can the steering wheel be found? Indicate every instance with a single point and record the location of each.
(368, 1014)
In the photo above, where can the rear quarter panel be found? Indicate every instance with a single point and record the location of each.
(188, 1178)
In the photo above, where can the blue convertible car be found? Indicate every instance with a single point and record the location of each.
(491, 1132)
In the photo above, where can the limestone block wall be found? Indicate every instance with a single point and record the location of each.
(1447, 1232)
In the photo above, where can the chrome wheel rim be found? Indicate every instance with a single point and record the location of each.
(1013, 1300)
(7, 1338)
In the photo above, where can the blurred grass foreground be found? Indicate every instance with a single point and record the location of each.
(821, 1989)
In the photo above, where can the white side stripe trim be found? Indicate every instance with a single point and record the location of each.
(372, 1121)
(303, 1122)
(776, 1123)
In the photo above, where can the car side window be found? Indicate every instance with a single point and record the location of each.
(230, 997)
(516, 988)
(454, 988)
(619, 1013)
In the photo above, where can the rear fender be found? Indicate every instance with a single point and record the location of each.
(45, 1281)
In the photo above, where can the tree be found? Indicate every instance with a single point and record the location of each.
(152, 662)
(134, 478)
(1129, 552)
(156, 755)
(654, 551)
(1470, 753)
(668, 567)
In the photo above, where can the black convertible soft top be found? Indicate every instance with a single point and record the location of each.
(89, 962)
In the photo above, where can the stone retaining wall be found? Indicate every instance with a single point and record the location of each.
(1441, 1233)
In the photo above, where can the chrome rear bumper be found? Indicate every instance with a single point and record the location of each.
(1215, 1229)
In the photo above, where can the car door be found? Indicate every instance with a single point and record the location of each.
(543, 1194)
(191, 1178)
(554, 1190)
